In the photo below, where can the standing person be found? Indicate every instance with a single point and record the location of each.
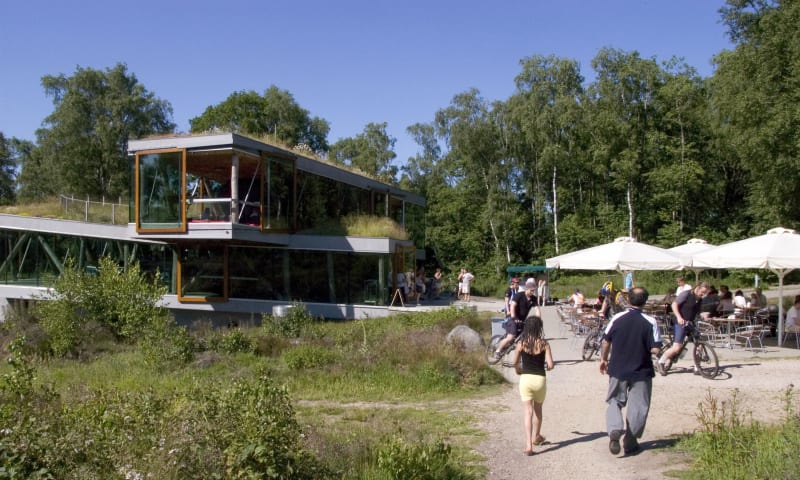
(685, 307)
(628, 281)
(632, 338)
(437, 283)
(682, 286)
(460, 283)
(523, 304)
(466, 279)
(531, 360)
(509, 295)
(542, 290)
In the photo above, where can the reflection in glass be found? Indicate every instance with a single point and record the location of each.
(161, 187)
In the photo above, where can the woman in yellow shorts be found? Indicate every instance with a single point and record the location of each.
(531, 360)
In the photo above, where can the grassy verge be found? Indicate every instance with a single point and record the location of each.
(732, 446)
(366, 399)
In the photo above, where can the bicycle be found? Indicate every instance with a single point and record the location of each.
(703, 354)
(493, 359)
(593, 342)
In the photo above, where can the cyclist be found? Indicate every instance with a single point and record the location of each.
(685, 308)
(521, 304)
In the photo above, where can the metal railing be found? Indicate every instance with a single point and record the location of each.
(94, 211)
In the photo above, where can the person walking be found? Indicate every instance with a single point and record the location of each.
(532, 359)
(631, 338)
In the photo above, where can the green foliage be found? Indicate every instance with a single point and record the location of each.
(246, 430)
(292, 325)
(82, 149)
(123, 302)
(305, 357)
(232, 341)
(274, 115)
(7, 170)
(400, 459)
(165, 344)
(731, 446)
(370, 152)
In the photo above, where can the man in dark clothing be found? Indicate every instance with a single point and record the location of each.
(635, 338)
(521, 304)
(685, 308)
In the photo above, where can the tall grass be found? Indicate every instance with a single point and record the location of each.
(347, 382)
(732, 446)
(94, 212)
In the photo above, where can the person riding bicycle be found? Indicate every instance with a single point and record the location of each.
(686, 307)
(521, 304)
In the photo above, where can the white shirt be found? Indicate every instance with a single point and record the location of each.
(793, 319)
(685, 287)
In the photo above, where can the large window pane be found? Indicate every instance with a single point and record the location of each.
(202, 273)
(279, 194)
(160, 191)
(259, 273)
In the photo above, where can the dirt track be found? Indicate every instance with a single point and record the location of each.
(574, 413)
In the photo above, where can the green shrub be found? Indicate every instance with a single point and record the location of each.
(166, 344)
(233, 341)
(124, 302)
(400, 460)
(309, 356)
(293, 325)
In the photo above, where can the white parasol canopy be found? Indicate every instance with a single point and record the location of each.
(624, 254)
(687, 251)
(778, 251)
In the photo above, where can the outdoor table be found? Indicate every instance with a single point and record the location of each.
(729, 326)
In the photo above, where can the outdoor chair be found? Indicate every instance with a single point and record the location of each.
(708, 332)
(751, 334)
(796, 334)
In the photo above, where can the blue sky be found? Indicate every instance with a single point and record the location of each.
(350, 62)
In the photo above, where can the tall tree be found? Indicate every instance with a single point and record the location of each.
(756, 89)
(7, 171)
(476, 162)
(624, 119)
(371, 151)
(83, 144)
(546, 110)
(274, 115)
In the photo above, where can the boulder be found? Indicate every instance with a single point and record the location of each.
(464, 337)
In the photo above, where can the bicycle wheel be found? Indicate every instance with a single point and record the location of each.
(592, 344)
(490, 358)
(705, 360)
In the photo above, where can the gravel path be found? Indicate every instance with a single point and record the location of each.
(574, 413)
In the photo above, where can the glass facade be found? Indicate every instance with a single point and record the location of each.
(36, 259)
(160, 191)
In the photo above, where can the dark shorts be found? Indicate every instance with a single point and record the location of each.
(511, 327)
(680, 333)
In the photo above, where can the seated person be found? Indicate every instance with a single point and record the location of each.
(725, 304)
(739, 302)
(754, 301)
(793, 317)
(577, 299)
(710, 303)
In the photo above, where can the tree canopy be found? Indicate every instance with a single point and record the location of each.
(274, 115)
(82, 146)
